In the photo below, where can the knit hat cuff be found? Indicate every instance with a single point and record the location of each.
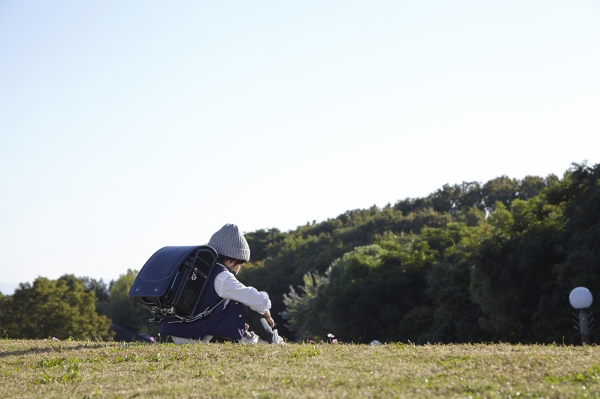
(233, 252)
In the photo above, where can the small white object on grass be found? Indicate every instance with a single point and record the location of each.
(374, 342)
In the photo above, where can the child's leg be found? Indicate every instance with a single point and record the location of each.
(258, 324)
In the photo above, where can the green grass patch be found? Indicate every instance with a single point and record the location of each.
(79, 369)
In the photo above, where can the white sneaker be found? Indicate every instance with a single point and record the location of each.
(250, 338)
(275, 340)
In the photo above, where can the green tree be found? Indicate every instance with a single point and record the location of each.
(501, 189)
(97, 287)
(260, 241)
(515, 276)
(124, 311)
(344, 306)
(455, 315)
(512, 273)
(373, 293)
(59, 308)
(298, 313)
(580, 194)
(405, 288)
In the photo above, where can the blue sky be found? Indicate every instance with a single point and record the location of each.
(128, 126)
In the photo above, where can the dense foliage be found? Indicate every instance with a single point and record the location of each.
(75, 307)
(540, 250)
(468, 263)
(60, 308)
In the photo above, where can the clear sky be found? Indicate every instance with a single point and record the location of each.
(126, 126)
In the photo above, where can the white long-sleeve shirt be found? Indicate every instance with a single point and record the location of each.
(228, 287)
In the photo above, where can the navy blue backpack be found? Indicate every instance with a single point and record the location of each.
(171, 283)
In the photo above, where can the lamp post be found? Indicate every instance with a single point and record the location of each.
(581, 299)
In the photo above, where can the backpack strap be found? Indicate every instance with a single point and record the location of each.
(199, 316)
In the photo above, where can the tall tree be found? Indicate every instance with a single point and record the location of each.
(124, 311)
(52, 308)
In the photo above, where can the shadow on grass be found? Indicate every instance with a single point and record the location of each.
(50, 349)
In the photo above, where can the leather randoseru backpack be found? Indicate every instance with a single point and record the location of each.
(171, 283)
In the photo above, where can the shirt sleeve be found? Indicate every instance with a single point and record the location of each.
(228, 287)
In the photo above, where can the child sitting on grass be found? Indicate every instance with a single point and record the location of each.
(241, 304)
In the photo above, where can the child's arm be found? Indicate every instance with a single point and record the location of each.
(228, 287)
(267, 315)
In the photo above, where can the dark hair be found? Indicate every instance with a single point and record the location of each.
(235, 261)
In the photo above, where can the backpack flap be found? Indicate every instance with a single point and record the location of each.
(157, 275)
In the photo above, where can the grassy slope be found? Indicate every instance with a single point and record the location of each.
(96, 369)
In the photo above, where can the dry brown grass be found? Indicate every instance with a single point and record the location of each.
(113, 370)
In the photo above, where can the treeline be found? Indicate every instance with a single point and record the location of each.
(72, 307)
(468, 263)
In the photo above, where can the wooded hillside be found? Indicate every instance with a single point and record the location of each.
(468, 263)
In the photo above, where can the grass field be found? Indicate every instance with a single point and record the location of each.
(78, 369)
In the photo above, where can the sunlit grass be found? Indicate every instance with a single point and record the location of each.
(114, 370)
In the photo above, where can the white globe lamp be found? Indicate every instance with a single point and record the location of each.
(581, 298)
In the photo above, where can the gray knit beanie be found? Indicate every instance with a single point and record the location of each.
(230, 242)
